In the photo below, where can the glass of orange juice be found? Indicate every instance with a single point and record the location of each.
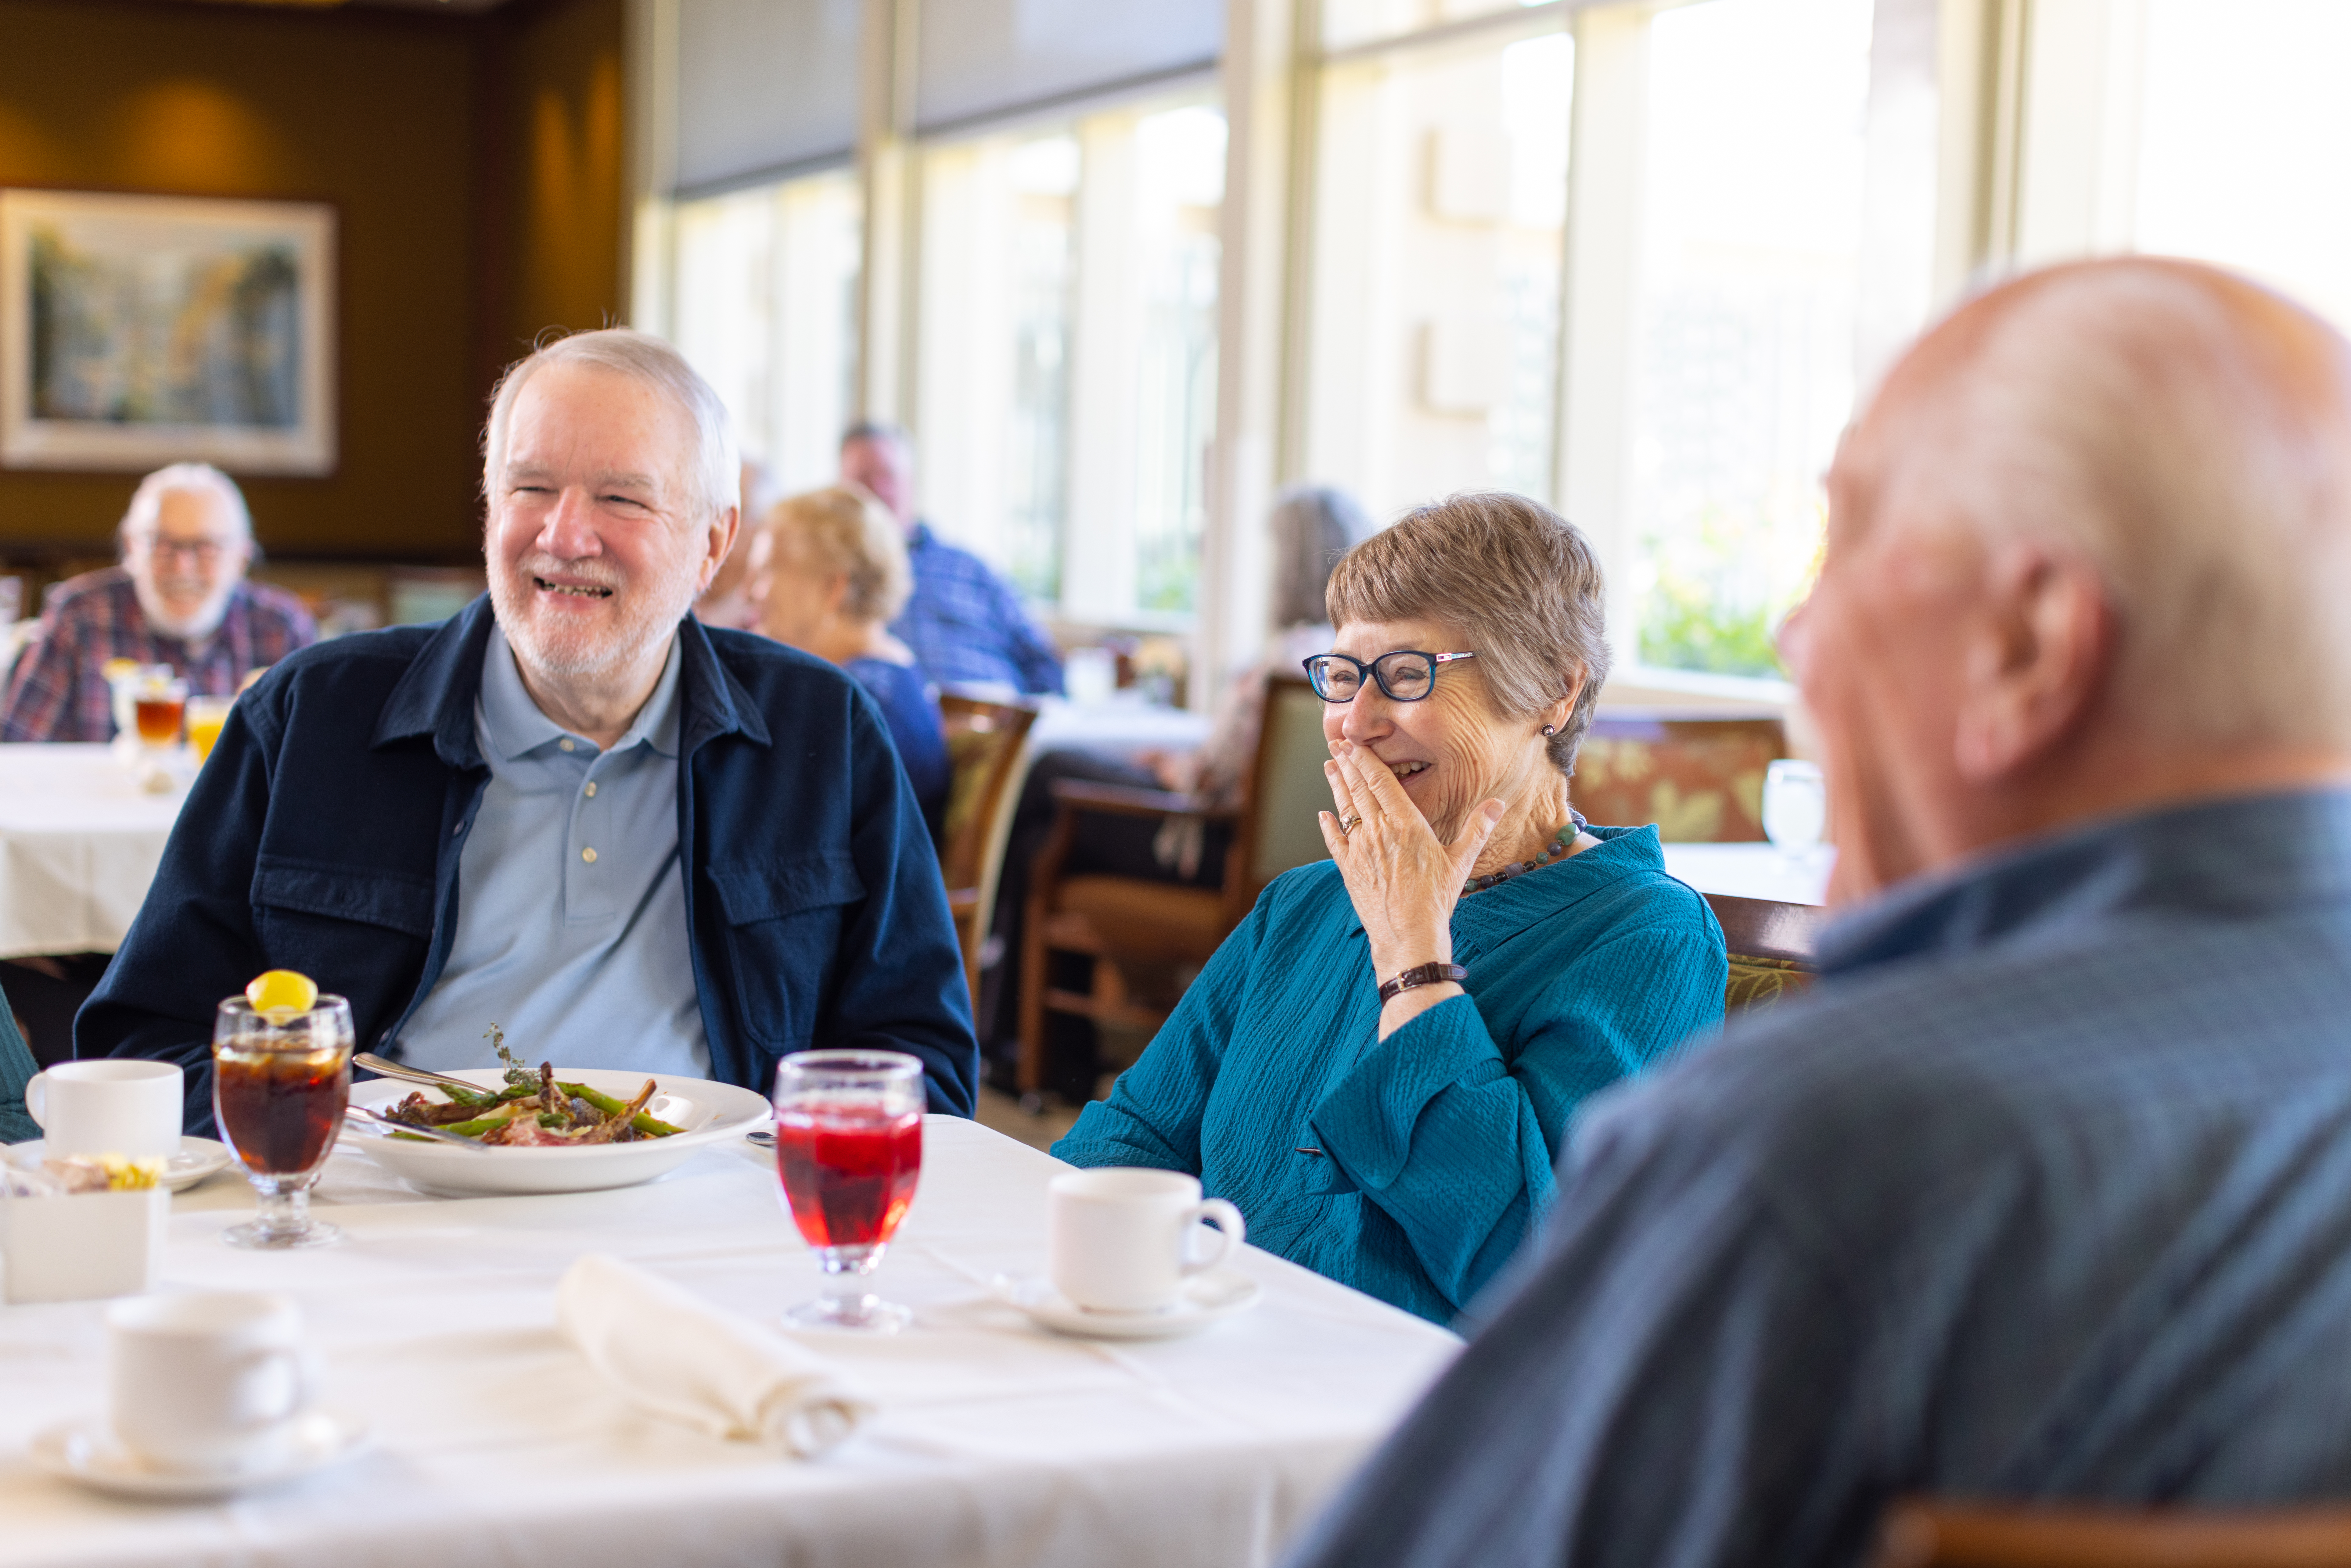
(205, 717)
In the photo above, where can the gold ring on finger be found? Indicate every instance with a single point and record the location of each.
(1350, 825)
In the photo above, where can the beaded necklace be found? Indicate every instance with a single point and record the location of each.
(1555, 850)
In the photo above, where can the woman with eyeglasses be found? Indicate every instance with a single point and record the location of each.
(1380, 1064)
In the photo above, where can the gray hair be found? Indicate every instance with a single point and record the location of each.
(883, 430)
(715, 472)
(2184, 430)
(182, 478)
(1518, 582)
(1312, 526)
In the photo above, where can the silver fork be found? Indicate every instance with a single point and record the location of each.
(387, 1068)
(389, 1126)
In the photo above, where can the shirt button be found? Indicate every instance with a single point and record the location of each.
(565, 746)
(588, 855)
(591, 791)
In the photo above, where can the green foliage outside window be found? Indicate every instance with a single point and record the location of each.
(1684, 628)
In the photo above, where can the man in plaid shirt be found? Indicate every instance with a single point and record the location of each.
(179, 598)
(964, 622)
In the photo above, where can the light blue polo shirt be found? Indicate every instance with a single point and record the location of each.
(570, 906)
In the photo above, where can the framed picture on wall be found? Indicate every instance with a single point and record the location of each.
(141, 331)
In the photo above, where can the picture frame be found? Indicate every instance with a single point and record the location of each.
(137, 330)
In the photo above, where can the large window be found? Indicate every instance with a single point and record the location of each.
(2245, 129)
(1744, 347)
(1440, 193)
(1068, 341)
(766, 306)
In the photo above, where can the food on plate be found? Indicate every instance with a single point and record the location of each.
(534, 1110)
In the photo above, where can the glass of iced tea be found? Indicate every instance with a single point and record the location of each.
(280, 1081)
(205, 717)
(158, 705)
(849, 1149)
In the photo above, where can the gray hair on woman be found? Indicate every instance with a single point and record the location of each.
(717, 473)
(1519, 582)
(1312, 526)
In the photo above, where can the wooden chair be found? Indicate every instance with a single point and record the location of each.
(1699, 780)
(1969, 1535)
(988, 748)
(1772, 947)
(1111, 918)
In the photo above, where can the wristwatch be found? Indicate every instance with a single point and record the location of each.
(1421, 975)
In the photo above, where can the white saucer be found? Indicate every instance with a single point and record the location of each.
(88, 1453)
(1206, 1299)
(193, 1160)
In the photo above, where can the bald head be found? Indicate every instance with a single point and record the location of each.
(2084, 549)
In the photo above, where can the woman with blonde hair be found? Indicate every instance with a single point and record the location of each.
(827, 572)
(1380, 1064)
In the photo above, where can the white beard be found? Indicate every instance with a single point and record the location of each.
(661, 603)
(192, 628)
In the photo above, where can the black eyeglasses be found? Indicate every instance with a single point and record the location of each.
(1406, 676)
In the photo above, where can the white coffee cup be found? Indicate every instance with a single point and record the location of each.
(1122, 1239)
(111, 1106)
(210, 1383)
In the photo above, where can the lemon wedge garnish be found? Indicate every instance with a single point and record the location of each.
(282, 995)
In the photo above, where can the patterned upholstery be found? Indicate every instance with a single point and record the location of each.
(1758, 983)
(1700, 780)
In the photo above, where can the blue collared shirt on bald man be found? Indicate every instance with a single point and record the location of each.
(328, 834)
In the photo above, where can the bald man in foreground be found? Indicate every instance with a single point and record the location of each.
(2046, 1192)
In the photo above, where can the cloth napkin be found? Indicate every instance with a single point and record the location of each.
(680, 1358)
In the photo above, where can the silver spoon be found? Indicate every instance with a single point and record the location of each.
(390, 1125)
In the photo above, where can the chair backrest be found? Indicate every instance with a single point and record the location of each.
(1279, 830)
(1772, 947)
(1698, 780)
(1930, 1535)
(987, 750)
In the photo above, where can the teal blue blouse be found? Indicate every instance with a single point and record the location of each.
(1412, 1168)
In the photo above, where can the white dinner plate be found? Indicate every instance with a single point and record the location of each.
(1206, 1298)
(710, 1112)
(193, 1160)
(88, 1453)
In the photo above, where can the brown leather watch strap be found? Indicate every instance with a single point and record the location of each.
(1421, 975)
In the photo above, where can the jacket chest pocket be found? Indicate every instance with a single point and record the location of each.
(783, 935)
(347, 927)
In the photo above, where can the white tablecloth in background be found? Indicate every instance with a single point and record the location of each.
(996, 1443)
(1121, 724)
(1753, 871)
(80, 841)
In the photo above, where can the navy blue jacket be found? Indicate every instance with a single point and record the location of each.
(323, 836)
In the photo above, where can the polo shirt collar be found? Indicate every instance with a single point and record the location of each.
(435, 696)
(2249, 854)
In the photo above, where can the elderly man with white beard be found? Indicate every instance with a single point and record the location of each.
(572, 810)
(180, 598)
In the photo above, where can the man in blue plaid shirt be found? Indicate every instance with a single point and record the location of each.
(2044, 1193)
(964, 622)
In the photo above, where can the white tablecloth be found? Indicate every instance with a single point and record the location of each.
(1121, 724)
(80, 841)
(1753, 870)
(995, 1443)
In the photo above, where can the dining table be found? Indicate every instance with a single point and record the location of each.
(994, 1440)
(80, 841)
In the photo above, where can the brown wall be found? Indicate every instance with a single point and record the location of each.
(474, 165)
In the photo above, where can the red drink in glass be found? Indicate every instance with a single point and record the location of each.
(849, 1151)
(849, 1171)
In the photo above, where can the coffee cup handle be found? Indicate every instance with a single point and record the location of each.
(1230, 1233)
(37, 1100)
(302, 1380)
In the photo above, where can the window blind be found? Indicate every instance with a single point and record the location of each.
(983, 60)
(763, 85)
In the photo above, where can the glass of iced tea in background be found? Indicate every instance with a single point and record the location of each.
(205, 717)
(849, 1149)
(280, 1081)
(158, 705)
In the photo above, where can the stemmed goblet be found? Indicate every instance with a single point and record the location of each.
(281, 1077)
(848, 1150)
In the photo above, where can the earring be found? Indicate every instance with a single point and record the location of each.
(1551, 729)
